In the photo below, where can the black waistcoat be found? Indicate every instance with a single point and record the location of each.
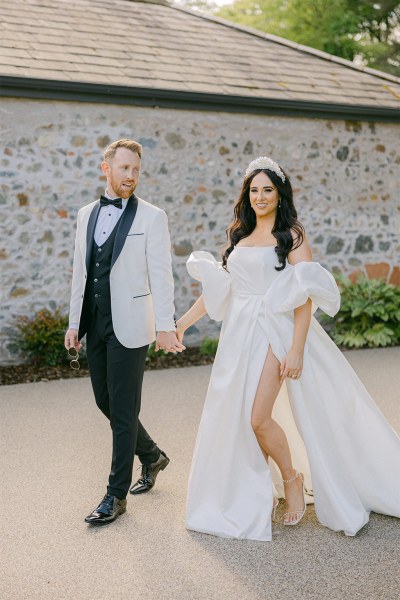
(97, 292)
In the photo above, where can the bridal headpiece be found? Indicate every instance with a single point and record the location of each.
(264, 162)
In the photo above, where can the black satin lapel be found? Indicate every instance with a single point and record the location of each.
(90, 232)
(124, 225)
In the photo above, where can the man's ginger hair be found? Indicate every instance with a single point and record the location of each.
(110, 151)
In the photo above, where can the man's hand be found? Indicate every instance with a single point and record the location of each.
(167, 340)
(71, 340)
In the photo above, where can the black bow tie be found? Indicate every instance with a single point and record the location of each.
(117, 202)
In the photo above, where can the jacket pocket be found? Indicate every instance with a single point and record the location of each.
(141, 296)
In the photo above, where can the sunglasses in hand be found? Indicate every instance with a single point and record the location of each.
(74, 355)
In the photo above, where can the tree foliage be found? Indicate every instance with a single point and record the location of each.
(360, 30)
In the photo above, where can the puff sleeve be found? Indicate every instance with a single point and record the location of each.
(215, 280)
(299, 282)
(292, 288)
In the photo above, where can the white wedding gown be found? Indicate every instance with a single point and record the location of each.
(347, 450)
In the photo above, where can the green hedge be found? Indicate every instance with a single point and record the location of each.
(208, 346)
(369, 316)
(41, 337)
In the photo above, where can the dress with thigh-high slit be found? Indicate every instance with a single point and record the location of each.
(338, 437)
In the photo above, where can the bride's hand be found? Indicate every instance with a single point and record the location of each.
(291, 365)
(180, 332)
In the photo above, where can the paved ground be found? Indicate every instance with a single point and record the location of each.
(55, 454)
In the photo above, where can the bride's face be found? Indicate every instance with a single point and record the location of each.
(264, 196)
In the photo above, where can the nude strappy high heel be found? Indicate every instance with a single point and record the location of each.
(299, 513)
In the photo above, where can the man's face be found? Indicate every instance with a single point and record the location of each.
(122, 172)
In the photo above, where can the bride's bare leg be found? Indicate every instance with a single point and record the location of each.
(270, 435)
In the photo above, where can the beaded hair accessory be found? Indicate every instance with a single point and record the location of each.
(264, 162)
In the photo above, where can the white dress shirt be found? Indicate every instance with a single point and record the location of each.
(107, 220)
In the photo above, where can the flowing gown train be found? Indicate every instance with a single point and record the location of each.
(338, 436)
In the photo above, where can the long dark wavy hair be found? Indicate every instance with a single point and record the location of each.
(285, 222)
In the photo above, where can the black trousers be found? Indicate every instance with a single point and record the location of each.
(117, 375)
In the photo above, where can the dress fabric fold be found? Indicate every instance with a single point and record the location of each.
(338, 437)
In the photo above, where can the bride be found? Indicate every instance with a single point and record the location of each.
(285, 414)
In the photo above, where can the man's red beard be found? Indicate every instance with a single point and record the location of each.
(123, 191)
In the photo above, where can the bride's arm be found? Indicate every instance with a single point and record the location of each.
(292, 364)
(194, 314)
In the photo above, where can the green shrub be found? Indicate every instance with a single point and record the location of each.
(369, 315)
(151, 351)
(208, 346)
(155, 356)
(41, 337)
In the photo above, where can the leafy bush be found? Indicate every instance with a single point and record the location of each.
(151, 351)
(41, 337)
(208, 346)
(369, 315)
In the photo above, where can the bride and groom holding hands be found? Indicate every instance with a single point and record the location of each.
(253, 429)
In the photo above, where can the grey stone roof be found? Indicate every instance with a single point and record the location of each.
(156, 46)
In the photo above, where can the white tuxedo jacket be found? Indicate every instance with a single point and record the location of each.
(141, 281)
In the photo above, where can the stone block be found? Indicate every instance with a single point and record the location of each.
(377, 270)
(78, 140)
(18, 291)
(364, 244)
(395, 276)
(335, 245)
(342, 153)
(103, 141)
(183, 248)
(23, 199)
(175, 140)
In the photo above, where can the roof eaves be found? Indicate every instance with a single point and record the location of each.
(288, 43)
(52, 89)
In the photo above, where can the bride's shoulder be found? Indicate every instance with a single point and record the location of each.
(301, 250)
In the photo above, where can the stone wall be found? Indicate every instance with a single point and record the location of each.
(343, 174)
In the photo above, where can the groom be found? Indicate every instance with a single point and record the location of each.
(122, 294)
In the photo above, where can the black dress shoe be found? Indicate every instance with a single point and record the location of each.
(149, 475)
(107, 511)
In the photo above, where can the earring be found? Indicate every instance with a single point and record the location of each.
(279, 205)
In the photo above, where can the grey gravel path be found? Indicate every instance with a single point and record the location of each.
(55, 455)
